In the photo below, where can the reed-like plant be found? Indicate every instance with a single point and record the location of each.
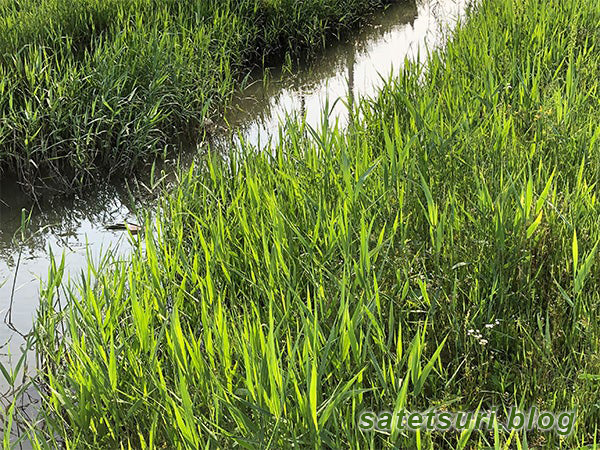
(97, 85)
(439, 253)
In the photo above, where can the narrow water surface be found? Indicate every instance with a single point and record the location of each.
(356, 67)
(349, 69)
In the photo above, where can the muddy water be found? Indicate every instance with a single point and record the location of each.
(76, 227)
(356, 67)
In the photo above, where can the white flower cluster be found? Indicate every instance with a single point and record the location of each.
(477, 334)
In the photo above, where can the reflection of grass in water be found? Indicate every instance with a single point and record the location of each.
(440, 253)
(256, 103)
(15, 377)
(62, 216)
(89, 84)
(17, 398)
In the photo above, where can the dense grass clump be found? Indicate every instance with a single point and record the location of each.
(89, 85)
(440, 253)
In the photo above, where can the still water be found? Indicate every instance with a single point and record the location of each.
(75, 227)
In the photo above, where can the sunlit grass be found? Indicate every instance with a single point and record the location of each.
(95, 86)
(279, 294)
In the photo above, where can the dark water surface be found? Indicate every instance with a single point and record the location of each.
(76, 227)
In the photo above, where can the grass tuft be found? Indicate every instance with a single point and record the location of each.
(441, 252)
(90, 86)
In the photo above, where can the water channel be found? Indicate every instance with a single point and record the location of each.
(75, 226)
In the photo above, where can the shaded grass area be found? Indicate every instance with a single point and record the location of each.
(440, 253)
(90, 86)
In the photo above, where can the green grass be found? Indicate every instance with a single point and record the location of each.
(276, 295)
(90, 86)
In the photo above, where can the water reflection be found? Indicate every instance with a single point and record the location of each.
(346, 70)
(73, 225)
